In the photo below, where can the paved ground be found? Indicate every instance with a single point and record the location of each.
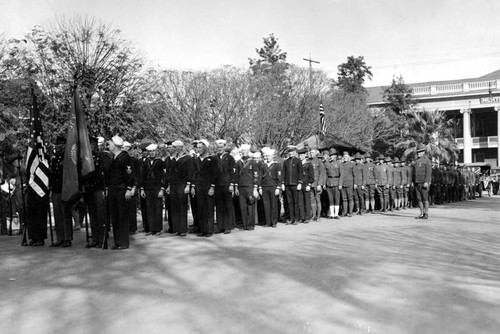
(372, 274)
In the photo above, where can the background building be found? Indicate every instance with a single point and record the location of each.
(474, 104)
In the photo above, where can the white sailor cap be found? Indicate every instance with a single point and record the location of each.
(126, 144)
(204, 142)
(177, 143)
(151, 147)
(245, 147)
(256, 154)
(117, 141)
(221, 142)
(100, 140)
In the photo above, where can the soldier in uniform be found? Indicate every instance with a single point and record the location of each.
(370, 184)
(398, 184)
(390, 182)
(325, 201)
(152, 189)
(334, 183)
(292, 184)
(382, 183)
(224, 187)
(307, 182)
(359, 183)
(179, 186)
(132, 202)
(317, 185)
(423, 174)
(142, 201)
(347, 186)
(94, 185)
(120, 189)
(247, 186)
(205, 172)
(62, 211)
(270, 187)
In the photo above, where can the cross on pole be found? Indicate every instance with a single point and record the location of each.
(310, 60)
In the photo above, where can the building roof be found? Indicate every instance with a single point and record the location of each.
(375, 94)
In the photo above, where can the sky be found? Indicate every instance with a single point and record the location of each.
(421, 40)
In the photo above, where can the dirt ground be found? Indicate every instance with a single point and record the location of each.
(378, 273)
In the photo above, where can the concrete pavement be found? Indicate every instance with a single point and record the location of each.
(372, 274)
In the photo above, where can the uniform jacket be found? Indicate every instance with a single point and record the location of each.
(226, 174)
(56, 172)
(292, 171)
(180, 171)
(423, 170)
(369, 173)
(272, 175)
(307, 173)
(334, 174)
(319, 172)
(381, 178)
(152, 173)
(248, 173)
(121, 171)
(397, 176)
(347, 174)
(205, 171)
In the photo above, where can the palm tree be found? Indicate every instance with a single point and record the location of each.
(434, 131)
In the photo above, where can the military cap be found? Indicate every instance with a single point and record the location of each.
(420, 148)
(126, 144)
(358, 156)
(100, 140)
(333, 151)
(244, 147)
(396, 159)
(380, 157)
(254, 149)
(291, 148)
(388, 159)
(302, 150)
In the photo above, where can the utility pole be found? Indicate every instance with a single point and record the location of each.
(310, 69)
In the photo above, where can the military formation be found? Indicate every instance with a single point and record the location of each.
(223, 187)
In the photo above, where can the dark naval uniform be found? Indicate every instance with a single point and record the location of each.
(151, 182)
(94, 185)
(292, 177)
(121, 178)
(63, 223)
(205, 174)
(226, 177)
(307, 183)
(248, 179)
(180, 176)
(271, 181)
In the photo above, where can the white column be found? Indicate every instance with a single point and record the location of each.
(467, 136)
(498, 135)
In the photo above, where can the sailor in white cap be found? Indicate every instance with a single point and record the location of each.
(120, 189)
(271, 182)
(152, 189)
(179, 186)
(203, 189)
(224, 188)
(246, 186)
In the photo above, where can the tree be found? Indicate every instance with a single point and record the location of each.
(352, 74)
(271, 57)
(435, 131)
(399, 96)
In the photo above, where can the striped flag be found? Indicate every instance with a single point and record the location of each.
(37, 165)
(322, 123)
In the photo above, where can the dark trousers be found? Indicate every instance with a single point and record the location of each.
(194, 211)
(333, 195)
(179, 205)
(36, 215)
(315, 199)
(63, 223)
(224, 208)
(270, 202)
(305, 213)
(294, 204)
(205, 206)
(383, 195)
(247, 210)
(97, 213)
(132, 213)
(119, 214)
(144, 214)
(347, 199)
(359, 201)
(154, 209)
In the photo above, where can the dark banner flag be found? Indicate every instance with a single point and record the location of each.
(78, 160)
(322, 123)
(37, 165)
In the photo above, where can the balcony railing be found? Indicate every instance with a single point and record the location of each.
(463, 87)
(479, 142)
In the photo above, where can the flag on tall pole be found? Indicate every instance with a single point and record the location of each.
(78, 160)
(322, 123)
(37, 165)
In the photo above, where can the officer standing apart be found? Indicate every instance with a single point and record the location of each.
(119, 191)
(423, 172)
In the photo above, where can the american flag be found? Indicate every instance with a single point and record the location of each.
(37, 165)
(322, 124)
